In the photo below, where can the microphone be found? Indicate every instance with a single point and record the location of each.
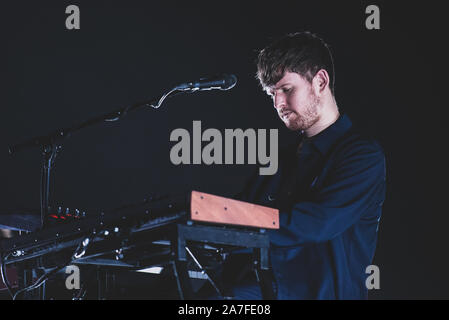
(220, 82)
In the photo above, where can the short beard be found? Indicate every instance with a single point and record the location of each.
(309, 118)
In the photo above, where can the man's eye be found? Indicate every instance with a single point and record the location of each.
(285, 90)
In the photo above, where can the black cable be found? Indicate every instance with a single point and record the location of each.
(41, 192)
(5, 276)
(50, 273)
(38, 282)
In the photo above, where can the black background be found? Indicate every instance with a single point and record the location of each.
(390, 81)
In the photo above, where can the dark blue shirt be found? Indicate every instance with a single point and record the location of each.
(330, 194)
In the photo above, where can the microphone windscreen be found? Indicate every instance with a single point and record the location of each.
(230, 81)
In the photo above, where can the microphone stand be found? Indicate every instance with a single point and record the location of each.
(51, 144)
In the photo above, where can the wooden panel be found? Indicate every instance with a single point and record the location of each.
(210, 208)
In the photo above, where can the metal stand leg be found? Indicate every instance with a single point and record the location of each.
(103, 283)
(182, 280)
(180, 268)
(265, 276)
(42, 291)
(49, 153)
(24, 280)
(266, 284)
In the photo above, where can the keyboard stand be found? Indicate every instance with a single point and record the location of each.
(258, 240)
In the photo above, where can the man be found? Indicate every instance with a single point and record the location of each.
(329, 188)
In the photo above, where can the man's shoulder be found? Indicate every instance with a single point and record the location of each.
(357, 146)
(352, 142)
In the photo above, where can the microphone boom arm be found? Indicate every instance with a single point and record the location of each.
(59, 135)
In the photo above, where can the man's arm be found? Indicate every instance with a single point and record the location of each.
(352, 187)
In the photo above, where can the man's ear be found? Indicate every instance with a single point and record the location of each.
(320, 82)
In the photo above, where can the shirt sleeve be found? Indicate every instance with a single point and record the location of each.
(354, 184)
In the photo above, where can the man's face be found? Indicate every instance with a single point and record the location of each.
(295, 101)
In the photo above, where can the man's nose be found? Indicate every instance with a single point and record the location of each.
(278, 100)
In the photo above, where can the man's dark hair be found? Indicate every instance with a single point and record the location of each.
(301, 52)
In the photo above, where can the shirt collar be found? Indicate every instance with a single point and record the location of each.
(324, 140)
